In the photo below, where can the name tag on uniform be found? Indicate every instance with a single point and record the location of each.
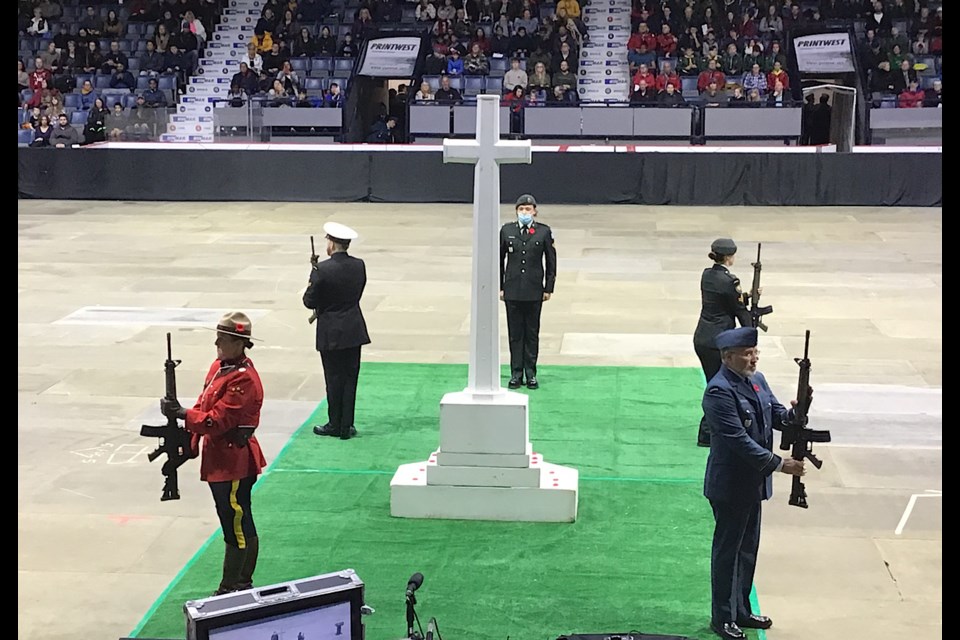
(510, 249)
(747, 423)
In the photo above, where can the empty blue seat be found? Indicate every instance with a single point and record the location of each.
(688, 86)
(24, 136)
(493, 85)
(71, 101)
(129, 100)
(313, 84)
(433, 81)
(133, 64)
(78, 117)
(102, 81)
(299, 64)
(926, 82)
(167, 82)
(472, 85)
(343, 64)
(499, 64)
(126, 46)
(321, 64)
(26, 95)
(143, 82)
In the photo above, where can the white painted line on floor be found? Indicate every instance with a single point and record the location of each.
(931, 493)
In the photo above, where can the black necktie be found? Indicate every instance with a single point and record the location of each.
(524, 231)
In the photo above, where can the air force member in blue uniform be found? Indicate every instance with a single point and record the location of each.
(741, 412)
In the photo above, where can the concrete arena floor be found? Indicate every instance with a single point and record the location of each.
(100, 283)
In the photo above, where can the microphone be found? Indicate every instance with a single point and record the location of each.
(431, 629)
(414, 583)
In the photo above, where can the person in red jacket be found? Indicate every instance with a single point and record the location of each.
(643, 73)
(666, 42)
(40, 80)
(710, 74)
(912, 97)
(667, 75)
(224, 419)
(778, 73)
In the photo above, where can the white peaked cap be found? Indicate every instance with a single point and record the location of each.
(339, 231)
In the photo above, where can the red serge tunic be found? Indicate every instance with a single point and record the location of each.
(232, 396)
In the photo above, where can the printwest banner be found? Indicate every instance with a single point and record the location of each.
(390, 57)
(824, 53)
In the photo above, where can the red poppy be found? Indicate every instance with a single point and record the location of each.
(756, 387)
(239, 327)
(531, 230)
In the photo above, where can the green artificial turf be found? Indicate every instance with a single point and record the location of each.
(637, 558)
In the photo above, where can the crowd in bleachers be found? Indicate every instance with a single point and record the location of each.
(111, 69)
(731, 52)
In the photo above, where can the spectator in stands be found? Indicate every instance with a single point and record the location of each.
(263, 41)
(364, 26)
(64, 136)
(446, 93)
(42, 132)
(279, 95)
(643, 73)
(897, 56)
(447, 11)
(161, 38)
(691, 39)
(114, 58)
(883, 82)
(195, 26)
(748, 26)
(643, 95)
(527, 21)
(904, 76)
(289, 78)
(253, 59)
(641, 36)
(540, 54)
(334, 97)
(39, 26)
(688, 20)
(476, 63)
(779, 97)
(754, 98)
(245, 80)
(565, 78)
(713, 96)
(273, 61)
(93, 60)
(34, 120)
(480, 38)
(154, 97)
(174, 62)
(112, 27)
(435, 64)
(116, 122)
(23, 78)
(667, 74)
(189, 45)
(463, 27)
(51, 10)
(91, 22)
(752, 53)
(40, 81)
(880, 20)
(347, 48)
(898, 38)
(521, 44)
(516, 100)
(387, 11)
(771, 25)
(737, 97)
(689, 64)
(87, 95)
(670, 97)
(712, 54)
(304, 46)
(499, 43)
(168, 20)
(121, 78)
(774, 54)
(539, 82)
(933, 97)
(754, 79)
(778, 74)
(425, 11)
(151, 60)
(425, 93)
(51, 57)
(566, 55)
(267, 22)
(732, 62)
(912, 96)
(383, 131)
(326, 44)
(95, 129)
(454, 64)
(287, 27)
(711, 73)
(792, 19)
(570, 7)
(666, 42)
(516, 76)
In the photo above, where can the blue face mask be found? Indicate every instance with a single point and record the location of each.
(525, 218)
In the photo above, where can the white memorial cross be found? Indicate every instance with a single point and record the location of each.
(487, 152)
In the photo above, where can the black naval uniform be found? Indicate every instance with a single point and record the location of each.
(335, 288)
(722, 306)
(528, 269)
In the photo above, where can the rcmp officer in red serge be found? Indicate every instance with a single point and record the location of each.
(334, 292)
(722, 306)
(741, 412)
(224, 419)
(528, 271)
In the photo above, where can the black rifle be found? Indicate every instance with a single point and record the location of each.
(796, 436)
(756, 311)
(174, 439)
(313, 260)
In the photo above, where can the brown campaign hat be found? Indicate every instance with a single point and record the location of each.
(235, 323)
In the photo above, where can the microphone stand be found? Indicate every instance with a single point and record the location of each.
(411, 616)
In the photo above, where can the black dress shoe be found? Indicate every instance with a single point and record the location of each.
(703, 443)
(515, 382)
(532, 383)
(756, 622)
(326, 430)
(352, 432)
(728, 630)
